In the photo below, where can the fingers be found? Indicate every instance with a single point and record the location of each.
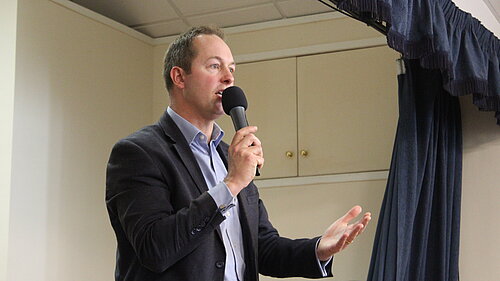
(246, 141)
(343, 242)
(245, 138)
(365, 220)
(242, 133)
(351, 214)
(245, 154)
(251, 140)
(358, 228)
(255, 150)
(354, 233)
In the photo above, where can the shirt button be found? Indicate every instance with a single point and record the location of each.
(202, 137)
(219, 264)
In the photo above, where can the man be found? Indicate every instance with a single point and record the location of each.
(182, 202)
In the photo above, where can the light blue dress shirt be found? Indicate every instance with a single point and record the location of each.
(214, 171)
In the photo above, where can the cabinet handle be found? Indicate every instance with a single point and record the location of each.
(289, 154)
(304, 153)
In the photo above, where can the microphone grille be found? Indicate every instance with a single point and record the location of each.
(232, 97)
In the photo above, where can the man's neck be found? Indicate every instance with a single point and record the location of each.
(206, 127)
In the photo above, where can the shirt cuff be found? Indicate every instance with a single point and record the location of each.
(323, 264)
(222, 196)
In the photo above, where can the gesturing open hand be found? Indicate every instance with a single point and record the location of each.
(340, 234)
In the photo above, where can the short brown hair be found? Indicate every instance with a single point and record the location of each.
(181, 52)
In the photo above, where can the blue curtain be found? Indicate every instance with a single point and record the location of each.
(418, 230)
(441, 36)
(447, 54)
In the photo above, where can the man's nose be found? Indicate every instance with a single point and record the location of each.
(227, 76)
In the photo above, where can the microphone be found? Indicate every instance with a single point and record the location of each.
(235, 104)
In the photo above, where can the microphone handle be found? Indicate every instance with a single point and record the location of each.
(240, 121)
(239, 117)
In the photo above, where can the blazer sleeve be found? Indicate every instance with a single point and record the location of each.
(140, 209)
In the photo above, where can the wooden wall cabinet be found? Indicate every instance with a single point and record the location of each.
(322, 114)
(270, 88)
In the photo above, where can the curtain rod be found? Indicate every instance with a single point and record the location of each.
(361, 16)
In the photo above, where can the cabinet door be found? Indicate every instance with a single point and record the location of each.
(270, 89)
(347, 111)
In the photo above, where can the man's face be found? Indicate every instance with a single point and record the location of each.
(211, 72)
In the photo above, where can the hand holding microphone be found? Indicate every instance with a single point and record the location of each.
(245, 151)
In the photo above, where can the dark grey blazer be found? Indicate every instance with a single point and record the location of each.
(167, 225)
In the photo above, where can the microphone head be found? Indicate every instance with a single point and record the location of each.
(232, 97)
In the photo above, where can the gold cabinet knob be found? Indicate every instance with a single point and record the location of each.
(304, 153)
(289, 154)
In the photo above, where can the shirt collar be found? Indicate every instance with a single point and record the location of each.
(190, 131)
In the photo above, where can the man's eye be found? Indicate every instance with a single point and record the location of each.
(231, 70)
(214, 66)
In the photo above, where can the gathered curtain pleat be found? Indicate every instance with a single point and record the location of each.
(418, 230)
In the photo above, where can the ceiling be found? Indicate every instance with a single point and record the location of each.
(160, 18)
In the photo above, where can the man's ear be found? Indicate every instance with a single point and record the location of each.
(177, 75)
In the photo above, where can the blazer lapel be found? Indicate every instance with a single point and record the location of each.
(180, 145)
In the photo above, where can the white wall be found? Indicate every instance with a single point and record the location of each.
(8, 21)
(480, 231)
(80, 85)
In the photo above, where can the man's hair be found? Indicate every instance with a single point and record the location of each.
(181, 52)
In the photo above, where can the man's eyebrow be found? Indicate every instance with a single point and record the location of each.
(221, 60)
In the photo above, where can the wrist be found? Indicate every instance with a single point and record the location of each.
(321, 254)
(232, 186)
(323, 258)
